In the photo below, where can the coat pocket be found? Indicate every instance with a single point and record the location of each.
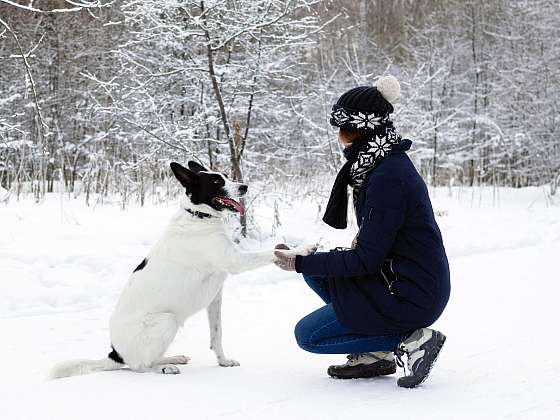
(371, 226)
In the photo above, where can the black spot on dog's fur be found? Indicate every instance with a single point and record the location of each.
(115, 356)
(141, 265)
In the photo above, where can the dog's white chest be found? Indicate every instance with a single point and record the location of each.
(197, 293)
(165, 286)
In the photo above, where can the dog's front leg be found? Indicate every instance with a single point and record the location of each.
(239, 262)
(215, 322)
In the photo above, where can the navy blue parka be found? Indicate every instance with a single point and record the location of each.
(396, 279)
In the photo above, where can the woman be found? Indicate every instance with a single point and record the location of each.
(382, 294)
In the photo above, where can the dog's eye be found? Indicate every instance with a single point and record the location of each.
(217, 181)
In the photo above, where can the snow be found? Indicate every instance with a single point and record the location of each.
(62, 266)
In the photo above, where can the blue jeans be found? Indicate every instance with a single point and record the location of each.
(321, 332)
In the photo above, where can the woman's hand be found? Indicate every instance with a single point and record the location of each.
(286, 257)
(285, 262)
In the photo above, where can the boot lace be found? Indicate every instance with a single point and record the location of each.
(354, 357)
(399, 353)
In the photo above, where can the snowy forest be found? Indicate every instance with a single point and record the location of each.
(97, 96)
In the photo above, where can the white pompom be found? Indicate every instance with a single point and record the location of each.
(389, 87)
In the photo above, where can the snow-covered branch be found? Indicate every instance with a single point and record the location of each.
(72, 5)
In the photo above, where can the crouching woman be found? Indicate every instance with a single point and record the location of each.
(382, 294)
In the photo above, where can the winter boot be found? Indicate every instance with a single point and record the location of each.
(365, 365)
(422, 348)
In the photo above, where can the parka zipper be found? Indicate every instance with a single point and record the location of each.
(389, 283)
(394, 276)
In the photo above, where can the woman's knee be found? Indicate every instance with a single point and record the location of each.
(317, 326)
(303, 332)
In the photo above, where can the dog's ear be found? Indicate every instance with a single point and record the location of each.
(196, 167)
(186, 177)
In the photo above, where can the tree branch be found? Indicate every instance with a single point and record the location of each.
(77, 6)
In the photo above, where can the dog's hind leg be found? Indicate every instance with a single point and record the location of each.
(174, 360)
(215, 322)
(149, 342)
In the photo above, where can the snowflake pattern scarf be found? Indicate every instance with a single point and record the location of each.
(362, 157)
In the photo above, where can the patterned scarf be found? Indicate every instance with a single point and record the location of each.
(362, 156)
(371, 153)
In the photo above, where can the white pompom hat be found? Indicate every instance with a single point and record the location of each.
(371, 101)
(389, 87)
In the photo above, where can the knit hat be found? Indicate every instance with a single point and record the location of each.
(365, 107)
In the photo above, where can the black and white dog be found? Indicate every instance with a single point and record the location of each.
(183, 273)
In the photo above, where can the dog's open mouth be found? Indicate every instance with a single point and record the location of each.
(230, 204)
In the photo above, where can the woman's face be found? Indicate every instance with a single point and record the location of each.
(345, 137)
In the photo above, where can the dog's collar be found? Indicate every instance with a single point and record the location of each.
(199, 214)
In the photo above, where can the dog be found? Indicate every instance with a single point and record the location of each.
(183, 273)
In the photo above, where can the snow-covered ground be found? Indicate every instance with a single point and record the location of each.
(62, 266)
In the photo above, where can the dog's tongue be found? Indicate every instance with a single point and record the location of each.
(235, 205)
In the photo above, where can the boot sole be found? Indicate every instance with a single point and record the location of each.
(389, 369)
(440, 341)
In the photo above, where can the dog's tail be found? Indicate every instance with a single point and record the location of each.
(82, 367)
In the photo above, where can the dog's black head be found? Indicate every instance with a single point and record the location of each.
(204, 187)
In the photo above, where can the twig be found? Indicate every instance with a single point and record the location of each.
(182, 148)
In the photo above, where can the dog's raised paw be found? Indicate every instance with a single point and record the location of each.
(303, 250)
(306, 250)
(169, 369)
(228, 363)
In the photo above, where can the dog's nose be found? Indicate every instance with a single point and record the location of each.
(243, 189)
